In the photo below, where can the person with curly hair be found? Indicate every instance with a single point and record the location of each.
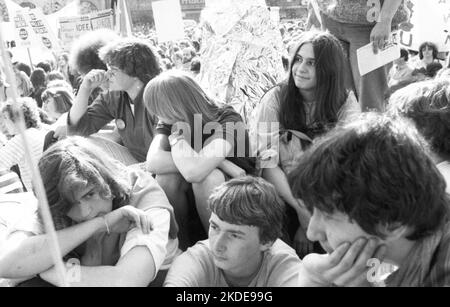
(131, 65)
(376, 197)
(427, 104)
(13, 152)
(84, 54)
(117, 221)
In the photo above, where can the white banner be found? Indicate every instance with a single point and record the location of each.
(430, 21)
(102, 20)
(71, 28)
(32, 30)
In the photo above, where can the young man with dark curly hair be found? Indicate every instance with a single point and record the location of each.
(131, 64)
(427, 104)
(375, 195)
(243, 248)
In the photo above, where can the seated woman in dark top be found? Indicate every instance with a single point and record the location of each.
(197, 142)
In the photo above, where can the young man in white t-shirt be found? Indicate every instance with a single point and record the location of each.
(243, 248)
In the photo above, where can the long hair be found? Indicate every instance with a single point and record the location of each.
(330, 91)
(174, 95)
(75, 164)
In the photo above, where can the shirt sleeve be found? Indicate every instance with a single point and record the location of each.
(18, 213)
(190, 269)
(156, 241)
(284, 268)
(265, 130)
(11, 153)
(97, 116)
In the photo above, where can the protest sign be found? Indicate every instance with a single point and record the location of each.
(275, 14)
(32, 30)
(168, 29)
(72, 28)
(4, 14)
(430, 21)
(102, 20)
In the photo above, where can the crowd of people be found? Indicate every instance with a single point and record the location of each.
(151, 182)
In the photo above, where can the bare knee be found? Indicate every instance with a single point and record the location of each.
(172, 183)
(213, 180)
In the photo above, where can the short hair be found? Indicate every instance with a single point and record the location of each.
(427, 104)
(377, 171)
(63, 98)
(134, 57)
(55, 75)
(38, 78)
(73, 164)
(430, 45)
(84, 53)
(45, 66)
(404, 54)
(250, 201)
(196, 65)
(30, 112)
(23, 67)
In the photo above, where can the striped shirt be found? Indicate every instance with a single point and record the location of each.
(9, 182)
(13, 152)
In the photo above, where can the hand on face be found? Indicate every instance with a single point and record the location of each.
(96, 78)
(345, 266)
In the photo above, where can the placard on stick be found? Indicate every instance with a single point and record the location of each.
(168, 20)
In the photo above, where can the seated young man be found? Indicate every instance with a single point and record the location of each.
(244, 248)
(427, 104)
(375, 195)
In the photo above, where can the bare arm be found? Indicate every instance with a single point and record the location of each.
(382, 29)
(32, 254)
(277, 177)
(92, 80)
(135, 269)
(159, 157)
(196, 166)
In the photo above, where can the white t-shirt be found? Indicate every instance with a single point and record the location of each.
(196, 268)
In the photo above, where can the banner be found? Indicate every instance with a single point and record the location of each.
(32, 30)
(168, 29)
(430, 21)
(71, 28)
(102, 20)
(4, 14)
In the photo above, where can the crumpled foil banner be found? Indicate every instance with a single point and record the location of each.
(241, 53)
